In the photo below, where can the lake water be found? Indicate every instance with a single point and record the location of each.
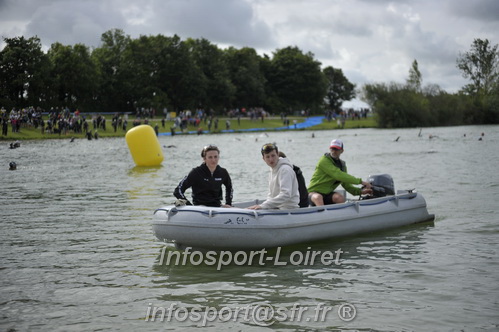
(78, 252)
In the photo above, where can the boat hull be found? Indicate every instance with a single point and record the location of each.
(242, 229)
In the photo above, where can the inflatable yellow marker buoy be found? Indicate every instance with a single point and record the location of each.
(144, 146)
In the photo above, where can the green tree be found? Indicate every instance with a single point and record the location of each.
(339, 88)
(178, 76)
(113, 92)
(481, 66)
(247, 76)
(217, 89)
(448, 109)
(270, 99)
(397, 106)
(74, 75)
(162, 73)
(415, 80)
(491, 104)
(141, 67)
(295, 80)
(23, 69)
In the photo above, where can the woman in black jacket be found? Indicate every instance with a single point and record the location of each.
(206, 181)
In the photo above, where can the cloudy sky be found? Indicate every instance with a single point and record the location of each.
(370, 40)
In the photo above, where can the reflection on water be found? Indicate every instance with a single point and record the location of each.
(349, 254)
(367, 265)
(77, 250)
(145, 182)
(139, 171)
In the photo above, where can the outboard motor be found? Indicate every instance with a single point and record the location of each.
(382, 185)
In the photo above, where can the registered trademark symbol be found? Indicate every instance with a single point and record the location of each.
(347, 312)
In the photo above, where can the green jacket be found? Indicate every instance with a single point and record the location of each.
(328, 176)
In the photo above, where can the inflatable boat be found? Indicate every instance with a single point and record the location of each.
(239, 228)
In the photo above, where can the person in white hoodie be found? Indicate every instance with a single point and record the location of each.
(283, 186)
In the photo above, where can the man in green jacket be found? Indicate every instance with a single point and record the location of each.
(329, 173)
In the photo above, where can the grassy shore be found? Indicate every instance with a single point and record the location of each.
(27, 133)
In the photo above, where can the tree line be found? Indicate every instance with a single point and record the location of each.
(413, 105)
(159, 72)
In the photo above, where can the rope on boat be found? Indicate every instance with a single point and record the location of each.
(255, 214)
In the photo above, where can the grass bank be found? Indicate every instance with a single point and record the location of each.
(27, 133)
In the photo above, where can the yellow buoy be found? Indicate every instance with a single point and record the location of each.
(144, 146)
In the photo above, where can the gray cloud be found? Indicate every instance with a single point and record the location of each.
(70, 22)
(16, 9)
(225, 21)
(480, 10)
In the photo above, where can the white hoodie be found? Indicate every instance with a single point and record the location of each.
(283, 187)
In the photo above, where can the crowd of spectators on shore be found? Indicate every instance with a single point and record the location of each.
(208, 118)
(343, 115)
(63, 121)
(349, 114)
(58, 121)
(20, 118)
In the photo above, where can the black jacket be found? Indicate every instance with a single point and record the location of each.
(206, 188)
